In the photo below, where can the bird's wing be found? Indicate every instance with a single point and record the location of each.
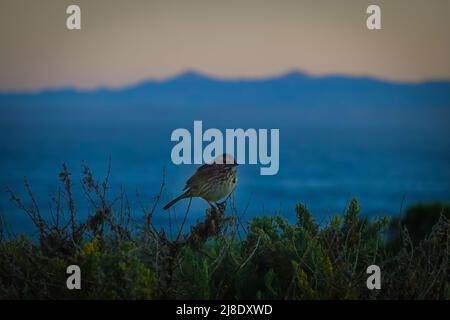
(199, 176)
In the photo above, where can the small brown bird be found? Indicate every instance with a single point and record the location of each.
(211, 182)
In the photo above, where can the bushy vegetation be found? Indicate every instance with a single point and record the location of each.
(221, 257)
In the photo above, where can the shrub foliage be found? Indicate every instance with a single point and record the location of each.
(221, 257)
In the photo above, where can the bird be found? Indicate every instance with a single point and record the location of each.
(211, 182)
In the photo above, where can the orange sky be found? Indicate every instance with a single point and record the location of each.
(123, 42)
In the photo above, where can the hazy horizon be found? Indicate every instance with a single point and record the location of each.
(123, 43)
(191, 71)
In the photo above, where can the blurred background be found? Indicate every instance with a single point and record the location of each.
(361, 113)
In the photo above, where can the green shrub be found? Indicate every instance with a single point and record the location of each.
(222, 257)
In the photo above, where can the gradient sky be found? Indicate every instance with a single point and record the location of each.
(123, 42)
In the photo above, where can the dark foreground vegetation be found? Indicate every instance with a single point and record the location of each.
(221, 257)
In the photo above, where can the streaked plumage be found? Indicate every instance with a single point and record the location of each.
(211, 182)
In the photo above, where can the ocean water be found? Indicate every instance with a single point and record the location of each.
(386, 163)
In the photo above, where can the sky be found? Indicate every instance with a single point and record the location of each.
(124, 42)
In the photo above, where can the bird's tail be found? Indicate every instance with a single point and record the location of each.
(172, 202)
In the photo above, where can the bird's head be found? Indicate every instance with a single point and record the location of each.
(225, 159)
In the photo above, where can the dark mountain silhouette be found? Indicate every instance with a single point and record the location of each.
(294, 89)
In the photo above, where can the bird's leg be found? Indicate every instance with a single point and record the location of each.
(221, 205)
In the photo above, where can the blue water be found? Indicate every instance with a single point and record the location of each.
(324, 162)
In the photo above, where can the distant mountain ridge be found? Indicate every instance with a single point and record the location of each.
(293, 89)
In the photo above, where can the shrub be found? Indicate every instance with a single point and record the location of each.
(222, 257)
